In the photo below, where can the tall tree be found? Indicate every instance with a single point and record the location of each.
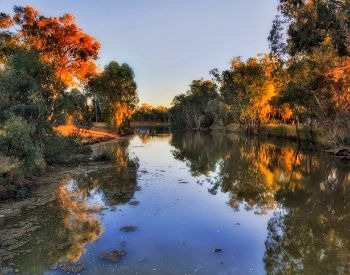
(59, 40)
(191, 110)
(249, 88)
(303, 25)
(116, 91)
(30, 89)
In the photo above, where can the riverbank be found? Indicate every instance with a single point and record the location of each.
(22, 214)
(310, 139)
(136, 124)
(43, 187)
(87, 138)
(99, 132)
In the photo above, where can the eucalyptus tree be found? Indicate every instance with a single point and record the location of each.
(115, 91)
(191, 109)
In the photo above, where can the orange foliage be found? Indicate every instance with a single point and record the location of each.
(339, 73)
(79, 220)
(123, 112)
(259, 85)
(61, 42)
(286, 113)
(69, 129)
(278, 168)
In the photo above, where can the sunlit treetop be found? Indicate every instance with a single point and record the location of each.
(5, 20)
(59, 40)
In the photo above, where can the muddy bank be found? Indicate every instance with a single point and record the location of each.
(45, 187)
(19, 220)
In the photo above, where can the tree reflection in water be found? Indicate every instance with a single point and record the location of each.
(116, 184)
(147, 134)
(311, 236)
(58, 231)
(309, 194)
(46, 234)
(200, 151)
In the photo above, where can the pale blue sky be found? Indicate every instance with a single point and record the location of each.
(168, 42)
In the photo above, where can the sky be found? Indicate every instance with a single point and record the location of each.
(168, 43)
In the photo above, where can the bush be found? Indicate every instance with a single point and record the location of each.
(62, 150)
(104, 156)
(18, 141)
(9, 169)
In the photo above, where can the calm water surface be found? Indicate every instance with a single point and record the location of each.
(198, 203)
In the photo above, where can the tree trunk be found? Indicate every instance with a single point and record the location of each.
(297, 131)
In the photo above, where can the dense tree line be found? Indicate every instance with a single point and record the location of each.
(149, 113)
(48, 77)
(304, 80)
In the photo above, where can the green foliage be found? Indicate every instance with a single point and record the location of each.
(220, 112)
(9, 170)
(32, 101)
(74, 107)
(310, 24)
(190, 110)
(115, 94)
(29, 89)
(18, 141)
(60, 150)
(147, 112)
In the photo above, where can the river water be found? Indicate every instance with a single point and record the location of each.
(189, 203)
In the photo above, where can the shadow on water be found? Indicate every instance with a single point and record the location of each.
(295, 206)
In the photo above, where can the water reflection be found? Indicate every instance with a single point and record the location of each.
(309, 194)
(273, 209)
(312, 235)
(200, 150)
(79, 223)
(51, 234)
(116, 184)
(45, 235)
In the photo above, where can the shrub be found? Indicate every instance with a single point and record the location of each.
(9, 169)
(59, 149)
(18, 141)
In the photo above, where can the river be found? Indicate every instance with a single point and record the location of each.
(188, 203)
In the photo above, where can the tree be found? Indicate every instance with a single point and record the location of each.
(308, 24)
(249, 87)
(58, 40)
(19, 141)
(116, 92)
(191, 110)
(30, 89)
(75, 109)
(317, 92)
(147, 112)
